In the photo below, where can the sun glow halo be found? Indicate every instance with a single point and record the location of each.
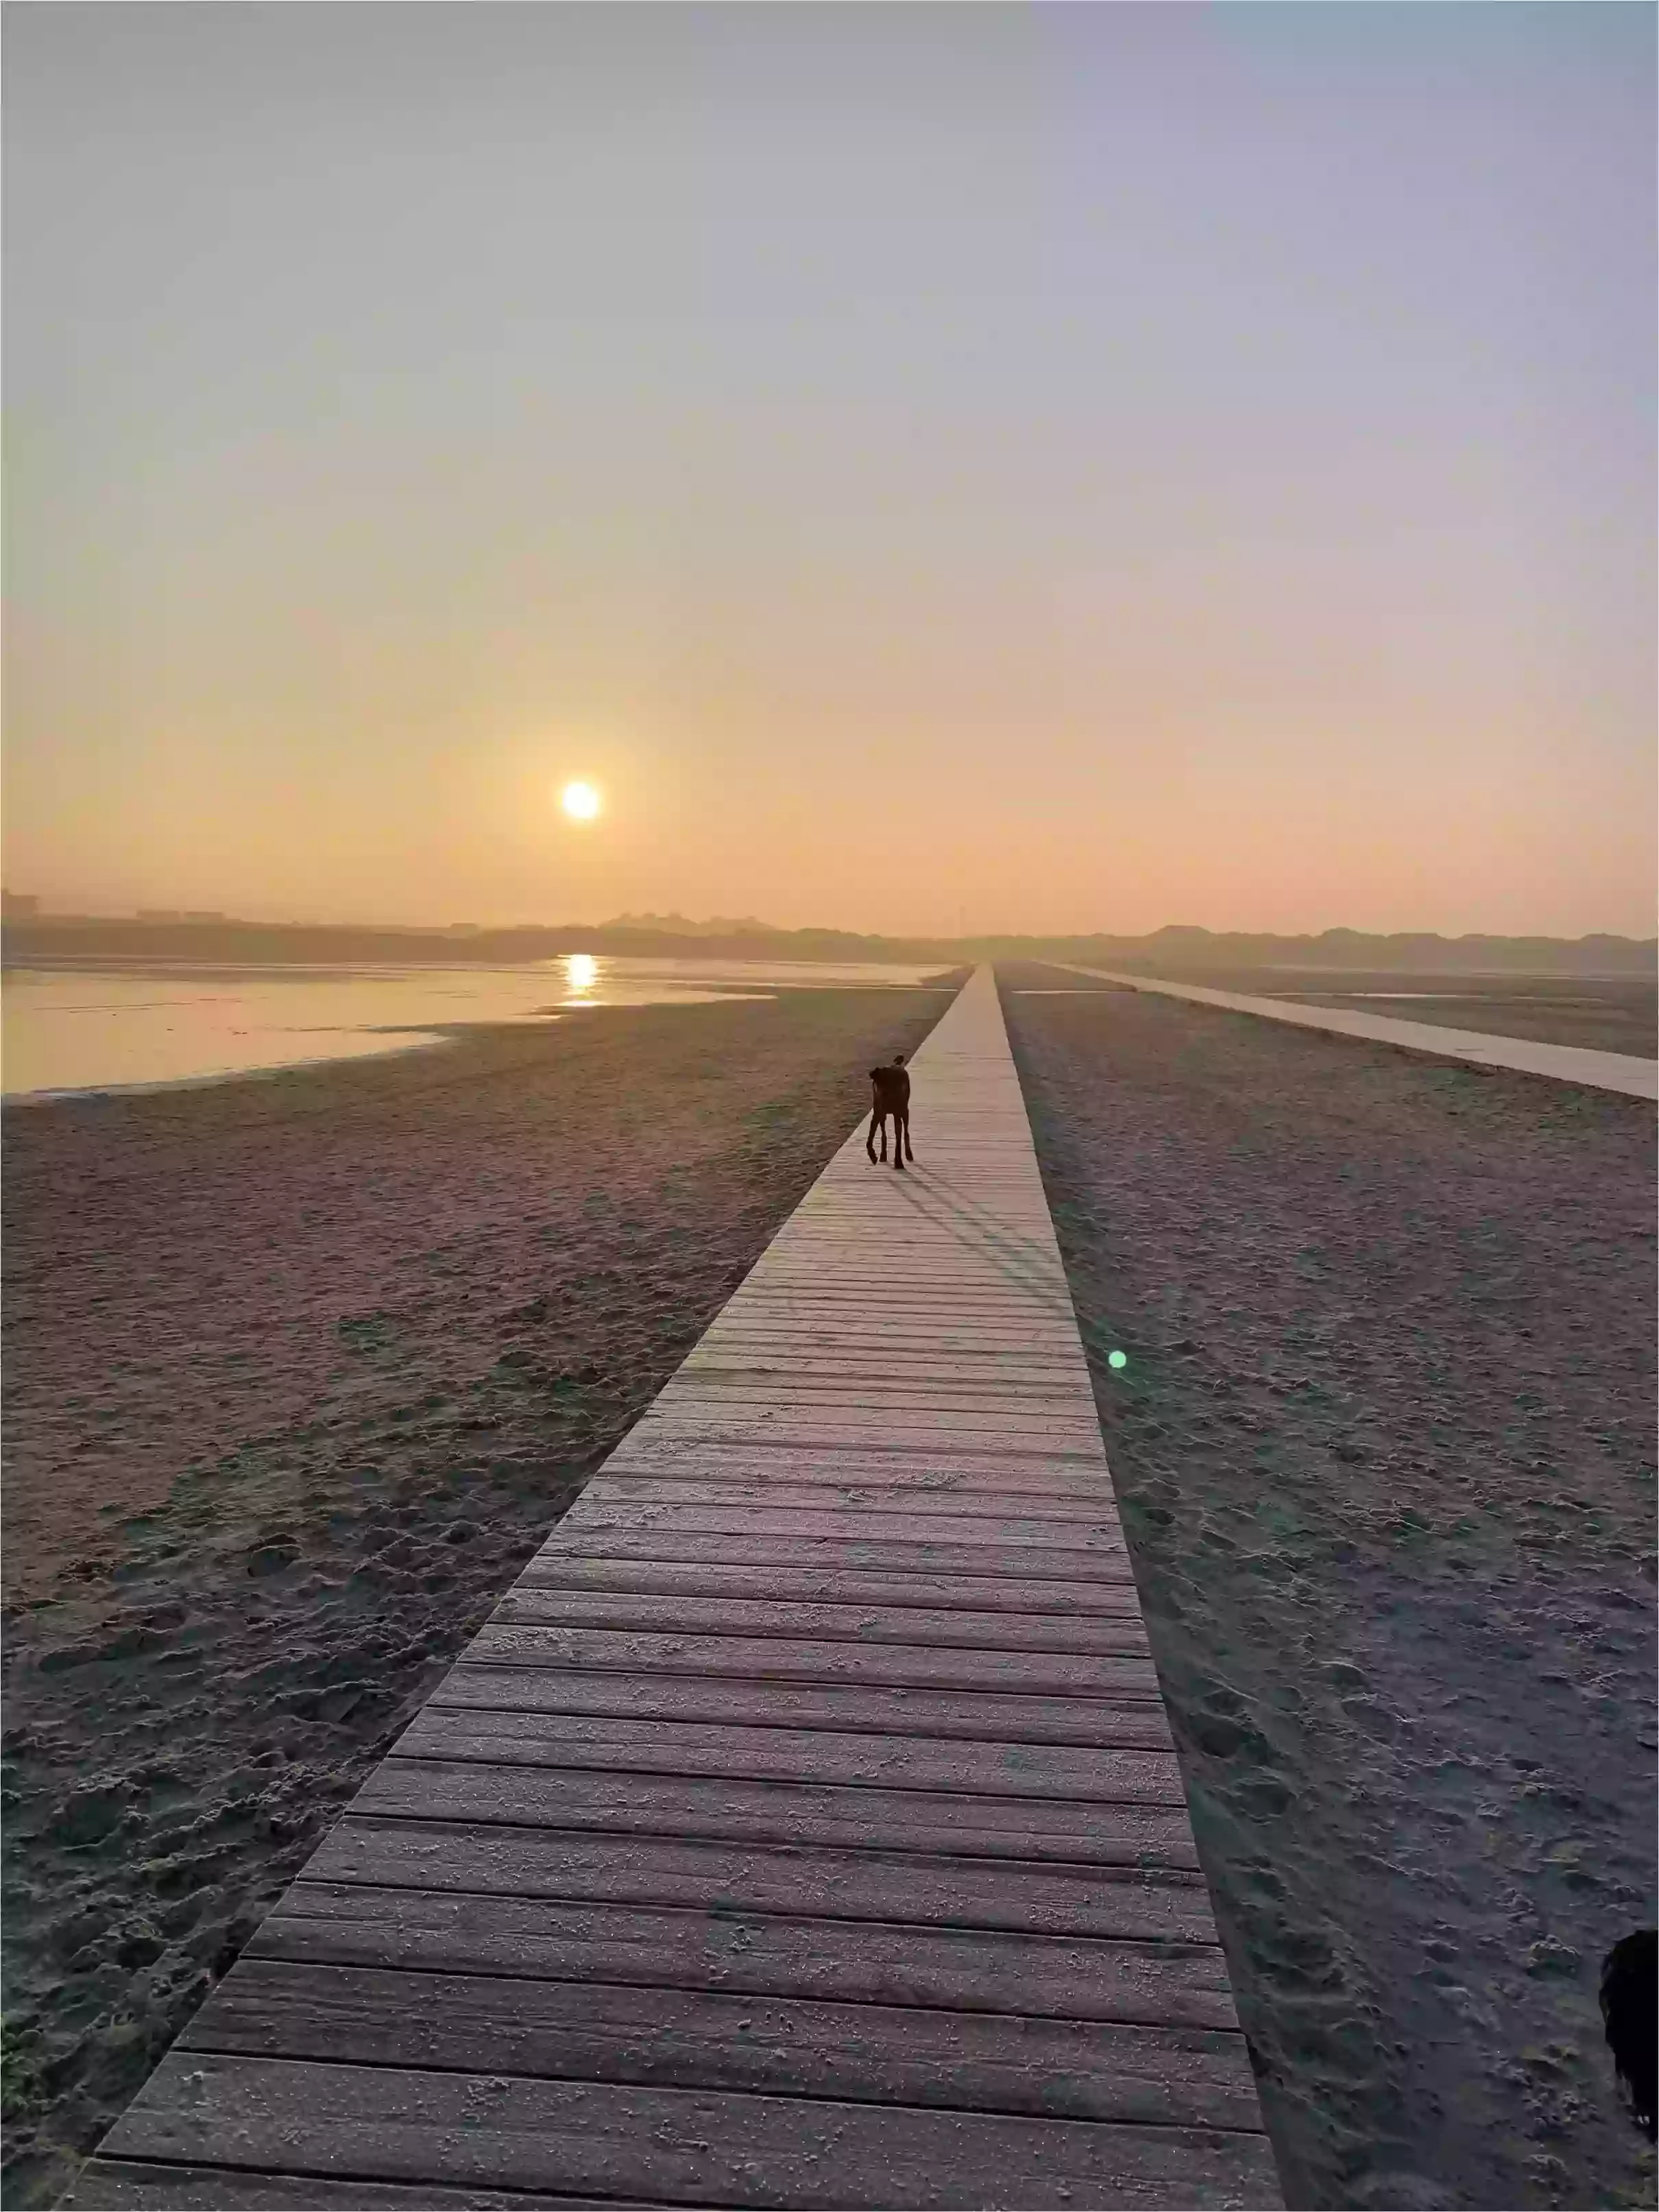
(580, 801)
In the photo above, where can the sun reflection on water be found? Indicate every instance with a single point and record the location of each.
(581, 973)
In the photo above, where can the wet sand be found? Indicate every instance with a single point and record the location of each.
(300, 1368)
(1384, 1447)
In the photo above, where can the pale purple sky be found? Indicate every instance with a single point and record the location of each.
(1058, 467)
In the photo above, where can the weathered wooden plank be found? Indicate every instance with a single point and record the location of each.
(965, 1716)
(829, 1524)
(892, 1459)
(783, 1755)
(763, 1301)
(968, 1389)
(689, 2146)
(849, 1282)
(776, 1332)
(115, 2184)
(941, 1230)
(993, 1230)
(1046, 1673)
(1030, 1446)
(918, 1215)
(902, 1412)
(1026, 1564)
(782, 2047)
(1057, 1431)
(897, 1406)
(935, 1210)
(1167, 1905)
(1020, 1378)
(798, 1430)
(991, 1262)
(979, 1594)
(868, 1961)
(679, 1614)
(989, 1251)
(923, 1216)
(1141, 1828)
(970, 1386)
(845, 1276)
(1021, 1488)
(899, 1456)
(615, 1493)
(847, 1285)
(1023, 1301)
(988, 1353)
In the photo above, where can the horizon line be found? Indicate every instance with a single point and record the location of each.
(753, 926)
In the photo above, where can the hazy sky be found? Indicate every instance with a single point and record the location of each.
(1047, 467)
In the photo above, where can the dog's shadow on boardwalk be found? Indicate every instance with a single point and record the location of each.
(1028, 1264)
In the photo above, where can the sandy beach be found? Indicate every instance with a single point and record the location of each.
(1384, 1444)
(300, 1368)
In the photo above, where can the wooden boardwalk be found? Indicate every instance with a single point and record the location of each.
(1563, 1063)
(803, 1829)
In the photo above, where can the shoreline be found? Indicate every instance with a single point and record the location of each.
(154, 1025)
(424, 1042)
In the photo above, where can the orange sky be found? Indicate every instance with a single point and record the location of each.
(1050, 470)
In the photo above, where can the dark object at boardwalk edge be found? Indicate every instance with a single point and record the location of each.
(1630, 2000)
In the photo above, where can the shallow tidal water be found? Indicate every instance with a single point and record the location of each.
(121, 1026)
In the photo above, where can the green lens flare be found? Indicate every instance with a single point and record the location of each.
(1117, 1359)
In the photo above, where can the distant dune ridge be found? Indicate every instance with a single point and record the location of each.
(57, 937)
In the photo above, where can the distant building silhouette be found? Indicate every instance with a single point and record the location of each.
(18, 906)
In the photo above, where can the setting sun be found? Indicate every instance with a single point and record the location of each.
(580, 801)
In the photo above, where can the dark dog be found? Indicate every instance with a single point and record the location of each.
(1630, 2000)
(889, 1093)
